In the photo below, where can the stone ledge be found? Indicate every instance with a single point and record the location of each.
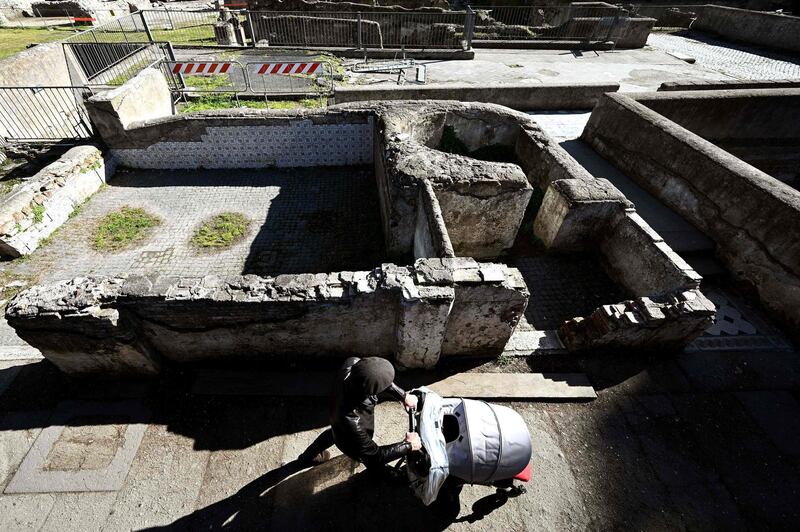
(127, 325)
(32, 211)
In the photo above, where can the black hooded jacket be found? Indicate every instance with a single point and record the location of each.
(352, 414)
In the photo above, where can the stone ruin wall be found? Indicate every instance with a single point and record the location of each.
(414, 313)
(32, 211)
(755, 220)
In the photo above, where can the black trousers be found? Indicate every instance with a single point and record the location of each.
(324, 441)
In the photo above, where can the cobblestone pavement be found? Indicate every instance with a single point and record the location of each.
(564, 287)
(302, 221)
(731, 59)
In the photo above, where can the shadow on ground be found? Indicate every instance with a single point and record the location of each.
(327, 497)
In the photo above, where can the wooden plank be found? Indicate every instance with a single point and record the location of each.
(516, 386)
(498, 386)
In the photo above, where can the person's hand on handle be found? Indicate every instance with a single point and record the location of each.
(410, 402)
(413, 439)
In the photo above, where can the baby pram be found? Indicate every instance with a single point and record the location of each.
(474, 441)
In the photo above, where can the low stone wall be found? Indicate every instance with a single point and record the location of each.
(762, 115)
(121, 326)
(753, 218)
(33, 210)
(136, 122)
(754, 27)
(482, 202)
(431, 238)
(667, 324)
(518, 96)
(636, 257)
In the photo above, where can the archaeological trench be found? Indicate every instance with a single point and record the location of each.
(468, 195)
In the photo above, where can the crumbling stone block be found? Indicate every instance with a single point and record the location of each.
(643, 323)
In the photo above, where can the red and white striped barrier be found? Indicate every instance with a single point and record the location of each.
(201, 68)
(288, 68)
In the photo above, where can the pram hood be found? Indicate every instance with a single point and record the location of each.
(492, 443)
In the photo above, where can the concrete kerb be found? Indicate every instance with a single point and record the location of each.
(517, 96)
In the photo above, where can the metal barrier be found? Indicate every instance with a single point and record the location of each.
(314, 78)
(112, 64)
(267, 78)
(547, 22)
(44, 114)
(205, 76)
(183, 27)
(127, 29)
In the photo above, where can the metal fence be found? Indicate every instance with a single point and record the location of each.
(363, 29)
(56, 16)
(668, 17)
(546, 22)
(112, 64)
(451, 30)
(37, 114)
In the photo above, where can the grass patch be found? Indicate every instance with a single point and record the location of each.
(38, 213)
(223, 101)
(221, 231)
(7, 185)
(14, 40)
(123, 228)
(196, 34)
(18, 282)
(207, 83)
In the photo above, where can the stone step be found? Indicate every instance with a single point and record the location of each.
(559, 387)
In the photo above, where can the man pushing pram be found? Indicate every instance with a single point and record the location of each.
(472, 442)
(352, 416)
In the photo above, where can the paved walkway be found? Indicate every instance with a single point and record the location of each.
(731, 59)
(302, 221)
(701, 442)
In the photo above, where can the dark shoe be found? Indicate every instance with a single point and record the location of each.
(321, 458)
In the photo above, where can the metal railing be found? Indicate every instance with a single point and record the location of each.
(184, 27)
(308, 30)
(547, 22)
(112, 64)
(668, 17)
(363, 29)
(44, 114)
(127, 29)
